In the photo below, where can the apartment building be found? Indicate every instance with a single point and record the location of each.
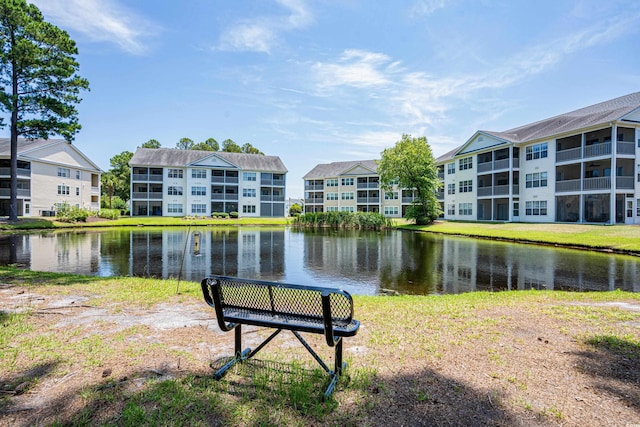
(352, 186)
(50, 173)
(171, 182)
(582, 166)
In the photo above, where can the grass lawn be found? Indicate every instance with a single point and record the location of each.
(88, 351)
(622, 238)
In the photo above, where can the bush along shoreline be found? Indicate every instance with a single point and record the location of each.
(355, 220)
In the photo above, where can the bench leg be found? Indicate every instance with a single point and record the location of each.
(339, 366)
(242, 355)
(239, 355)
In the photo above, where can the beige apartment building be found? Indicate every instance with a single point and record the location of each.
(50, 173)
(352, 186)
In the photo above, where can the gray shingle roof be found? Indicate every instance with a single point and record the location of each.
(25, 145)
(598, 114)
(182, 158)
(328, 170)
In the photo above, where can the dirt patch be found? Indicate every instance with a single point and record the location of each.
(508, 365)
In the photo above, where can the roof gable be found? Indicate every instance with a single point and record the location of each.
(55, 151)
(633, 116)
(359, 169)
(214, 161)
(481, 140)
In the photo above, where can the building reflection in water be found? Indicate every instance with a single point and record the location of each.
(360, 262)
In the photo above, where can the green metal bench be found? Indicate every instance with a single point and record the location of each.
(281, 306)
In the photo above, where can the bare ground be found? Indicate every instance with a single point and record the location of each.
(507, 365)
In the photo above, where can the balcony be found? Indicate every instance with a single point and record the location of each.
(601, 183)
(145, 177)
(224, 179)
(270, 198)
(315, 187)
(624, 182)
(22, 192)
(22, 172)
(568, 155)
(369, 200)
(153, 195)
(596, 150)
(408, 199)
(625, 147)
(317, 201)
(224, 196)
(484, 191)
(95, 190)
(366, 185)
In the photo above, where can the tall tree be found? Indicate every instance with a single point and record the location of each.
(209, 145)
(250, 149)
(117, 180)
(229, 146)
(39, 84)
(185, 144)
(412, 164)
(152, 143)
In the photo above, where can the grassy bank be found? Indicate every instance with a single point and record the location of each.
(82, 350)
(620, 238)
(42, 223)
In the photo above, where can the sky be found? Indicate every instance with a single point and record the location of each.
(334, 80)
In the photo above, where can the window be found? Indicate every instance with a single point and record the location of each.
(347, 209)
(391, 210)
(64, 172)
(451, 209)
(249, 176)
(347, 181)
(394, 182)
(174, 208)
(248, 192)
(77, 174)
(77, 191)
(332, 182)
(347, 195)
(465, 209)
(198, 173)
(516, 208)
(451, 189)
(466, 163)
(536, 208)
(391, 195)
(465, 186)
(248, 208)
(199, 208)
(537, 151)
(332, 209)
(174, 191)
(63, 190)
(198, 191)
(175, 173)
(535, 180)
(332, 196)
(451, 168)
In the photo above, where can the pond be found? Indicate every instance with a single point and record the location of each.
(360, 262)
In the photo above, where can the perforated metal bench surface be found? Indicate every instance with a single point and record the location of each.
(282, 306)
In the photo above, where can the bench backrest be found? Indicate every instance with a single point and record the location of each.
(280, 299)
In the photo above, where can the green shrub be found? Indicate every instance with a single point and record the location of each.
(340, 219)
(219, 215)
(109, 213)
(234, 214)
(67, 213)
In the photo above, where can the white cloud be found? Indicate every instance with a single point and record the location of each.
(356, 68)
(427, 7)
(261, 34)
(100, 20)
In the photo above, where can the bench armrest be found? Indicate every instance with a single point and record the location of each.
(328, 324)
(211, 293)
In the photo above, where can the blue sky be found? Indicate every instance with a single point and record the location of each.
(331, 80)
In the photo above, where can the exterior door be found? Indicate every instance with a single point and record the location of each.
(628, 211)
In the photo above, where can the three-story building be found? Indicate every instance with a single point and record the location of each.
(582, 166)
(171, 182)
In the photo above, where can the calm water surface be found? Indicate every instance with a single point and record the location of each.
(359, 262)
